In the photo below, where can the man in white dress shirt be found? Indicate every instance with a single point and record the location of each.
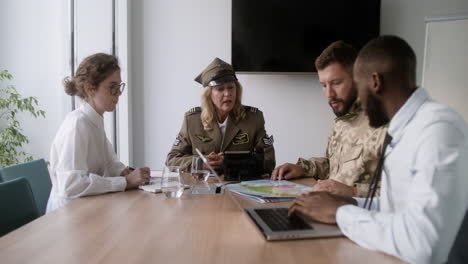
(424, 188)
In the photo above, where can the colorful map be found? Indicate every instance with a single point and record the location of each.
(268, 188)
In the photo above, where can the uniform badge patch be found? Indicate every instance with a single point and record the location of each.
(241, 139)
(177, 141)
(268, 140)
(195, 109)
(204, 138)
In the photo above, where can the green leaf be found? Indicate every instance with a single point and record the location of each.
(12, 140)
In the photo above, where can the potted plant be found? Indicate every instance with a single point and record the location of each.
(12, 138)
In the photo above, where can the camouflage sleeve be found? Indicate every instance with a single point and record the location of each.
(181, 151)
(318, 168)
(372, 153)
(361, 189)
(265, 142)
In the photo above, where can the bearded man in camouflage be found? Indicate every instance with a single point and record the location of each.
(354, 147)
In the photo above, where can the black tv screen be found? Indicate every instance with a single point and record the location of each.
(288, 35)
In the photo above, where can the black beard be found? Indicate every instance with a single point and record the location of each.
(338, 113)
(346, 105)
(375, 112)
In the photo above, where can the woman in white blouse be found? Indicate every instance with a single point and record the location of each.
(82, 160)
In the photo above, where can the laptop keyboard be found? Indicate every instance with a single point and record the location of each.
(277, 219)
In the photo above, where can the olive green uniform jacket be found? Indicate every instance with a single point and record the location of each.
(246, 134)
(352, 153)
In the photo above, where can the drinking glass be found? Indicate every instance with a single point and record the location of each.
(198, 171)
(170, 182)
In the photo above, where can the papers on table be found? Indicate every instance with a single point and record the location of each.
(156, 173)
(264, 191)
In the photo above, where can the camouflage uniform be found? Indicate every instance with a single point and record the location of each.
(246, 134)
(352, 152)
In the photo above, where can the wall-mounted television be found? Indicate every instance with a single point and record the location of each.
(288, 35)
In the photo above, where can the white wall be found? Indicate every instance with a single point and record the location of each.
(33, 48)
(172, 41)
(445, 62)
(93, 34)
(406, 18)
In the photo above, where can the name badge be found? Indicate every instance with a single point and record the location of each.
(268, 140)
(177, 140)
(241, 139)
(204, 138)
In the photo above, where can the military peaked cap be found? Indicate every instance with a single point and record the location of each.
(216, 73)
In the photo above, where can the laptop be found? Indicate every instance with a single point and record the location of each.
(274, 224)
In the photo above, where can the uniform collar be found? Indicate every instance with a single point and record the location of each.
(353, 112)
(224, 123)
(95, 118)
(404, 115)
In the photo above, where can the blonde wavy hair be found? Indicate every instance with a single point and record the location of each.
(209, 109)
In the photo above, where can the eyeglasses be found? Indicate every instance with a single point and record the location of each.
(117, 88)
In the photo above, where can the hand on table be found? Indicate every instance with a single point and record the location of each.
(138, 177)
(215, 160)
(287, 171)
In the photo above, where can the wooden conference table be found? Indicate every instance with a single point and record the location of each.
(140, 227)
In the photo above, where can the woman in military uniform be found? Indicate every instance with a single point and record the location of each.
(222, 123)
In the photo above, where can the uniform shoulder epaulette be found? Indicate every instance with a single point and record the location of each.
(251, 109)
(194, 110)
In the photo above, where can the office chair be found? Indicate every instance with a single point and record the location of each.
(37, 174)
(17, 205)
(458, 253)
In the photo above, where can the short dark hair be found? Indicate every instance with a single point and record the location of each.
(92, 71)
(393, 50)
(337, 52)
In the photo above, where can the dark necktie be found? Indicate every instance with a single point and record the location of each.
(373, 186)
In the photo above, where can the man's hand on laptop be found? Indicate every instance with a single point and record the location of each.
(319, 206)
(334, 187)
(287, 171)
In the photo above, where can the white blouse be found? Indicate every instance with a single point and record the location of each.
(82, 160)
(222, 128)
